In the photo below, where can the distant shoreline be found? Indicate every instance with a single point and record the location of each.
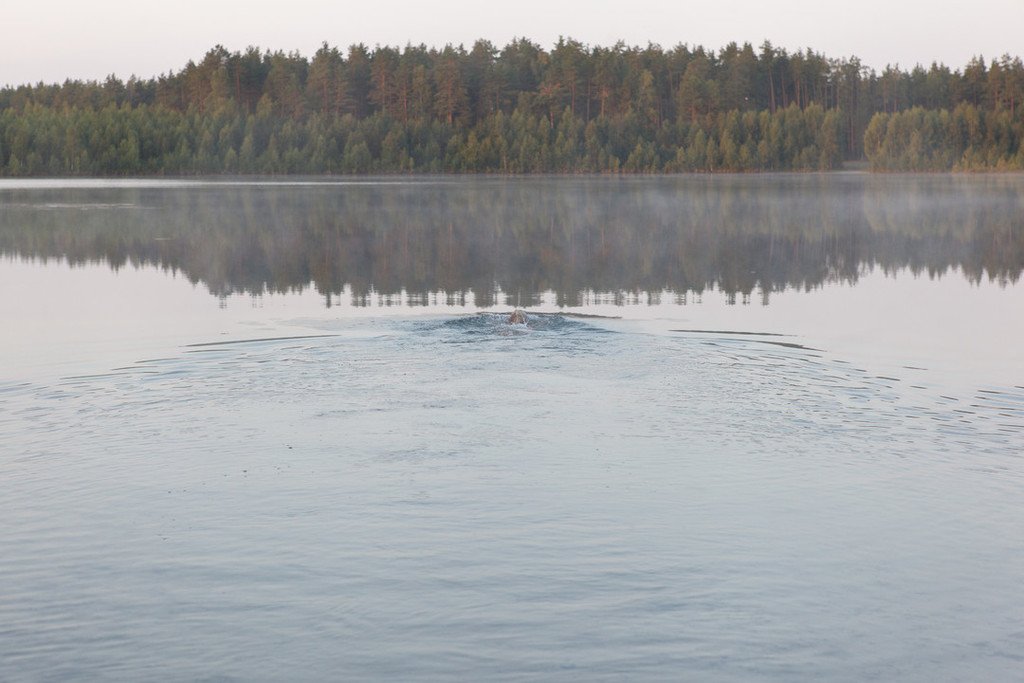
(519, 109)
(857, 170)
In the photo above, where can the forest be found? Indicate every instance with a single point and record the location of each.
(519, 109)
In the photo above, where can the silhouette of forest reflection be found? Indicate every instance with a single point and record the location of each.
(472, 239)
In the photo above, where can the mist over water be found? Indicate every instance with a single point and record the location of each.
(285, 430)
(746, 235)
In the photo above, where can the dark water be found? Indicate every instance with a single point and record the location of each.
(285, 431)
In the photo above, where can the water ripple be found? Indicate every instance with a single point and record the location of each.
(448, 494)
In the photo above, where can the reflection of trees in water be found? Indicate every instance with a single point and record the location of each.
(743, 235)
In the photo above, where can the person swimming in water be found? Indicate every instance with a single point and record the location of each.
(517, 318)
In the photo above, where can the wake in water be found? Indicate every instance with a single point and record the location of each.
(547, 466)
(502, 324)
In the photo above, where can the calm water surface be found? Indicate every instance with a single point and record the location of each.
(756, 428)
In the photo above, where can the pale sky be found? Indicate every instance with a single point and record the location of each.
(51, 40)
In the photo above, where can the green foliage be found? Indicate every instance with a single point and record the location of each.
(520, 109)
(965, 139)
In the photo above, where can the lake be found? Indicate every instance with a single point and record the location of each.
(764, 427)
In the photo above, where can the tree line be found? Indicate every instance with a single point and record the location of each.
(519, 109)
